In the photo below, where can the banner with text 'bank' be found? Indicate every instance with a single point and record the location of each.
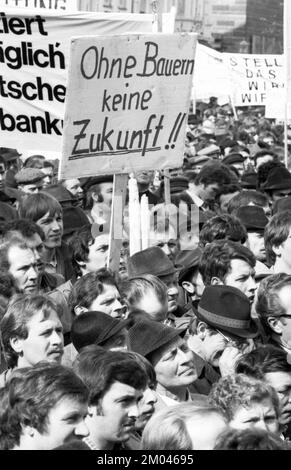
(34, 56)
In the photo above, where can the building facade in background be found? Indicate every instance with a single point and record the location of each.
(246, 26)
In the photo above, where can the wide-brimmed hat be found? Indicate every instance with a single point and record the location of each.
(60, 193)
(189, 259)
(73, 219)
(150, 261)
(146, 336)
(278, 178)
(227, 309)
(94, 328)
(252, 217)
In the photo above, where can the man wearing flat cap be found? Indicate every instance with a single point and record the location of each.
(29, 180)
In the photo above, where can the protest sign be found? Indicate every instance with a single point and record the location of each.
(211, 75)
(34, 53)
(253, 76)
(127, 103)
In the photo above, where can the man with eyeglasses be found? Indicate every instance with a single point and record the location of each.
(274, 308)
(223, 329)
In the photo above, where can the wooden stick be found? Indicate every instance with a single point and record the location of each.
(134, 218)
(116, 222)
(167, 191)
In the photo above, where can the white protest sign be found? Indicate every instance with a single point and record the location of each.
(127, 103)
(253, 75)
(34, 53)
(211, 75)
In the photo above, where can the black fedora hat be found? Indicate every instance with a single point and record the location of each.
(150, 261)
(189, 259)
(278, 178)
(60, 193)
(252, 217)
(227, 309)
(146, 336)
(73, 219)
(94, 328)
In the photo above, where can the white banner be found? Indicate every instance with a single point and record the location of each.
(211, 75)
(34, 53)
(127, 103)
(253, 76)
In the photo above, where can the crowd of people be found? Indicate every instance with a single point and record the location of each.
(188, 345)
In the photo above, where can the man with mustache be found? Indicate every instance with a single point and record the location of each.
(116, 383)
(31, 331)
(42, 407)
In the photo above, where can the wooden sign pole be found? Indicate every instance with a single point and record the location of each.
(167, 191)
(116, 222)
(159, 19)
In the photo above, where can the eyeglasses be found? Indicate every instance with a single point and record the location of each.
(240, 344)
(284, 315)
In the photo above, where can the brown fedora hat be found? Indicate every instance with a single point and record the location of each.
(227, 309)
